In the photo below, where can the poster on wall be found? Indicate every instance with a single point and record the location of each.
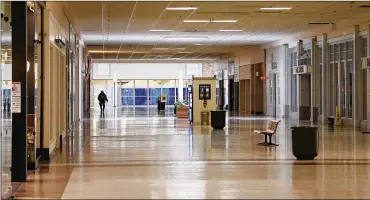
(16, 97)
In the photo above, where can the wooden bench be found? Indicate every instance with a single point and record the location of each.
(271, 130)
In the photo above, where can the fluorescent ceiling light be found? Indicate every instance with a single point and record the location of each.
(210, 21)
(112, 51)
(276, 8)
(231, 30)
(181, 8)
(160, 30)
(167, 48)
(202, 44)
(185, 38)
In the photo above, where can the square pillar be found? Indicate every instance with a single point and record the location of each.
(19, 77)
(325, 78)
(357, 78)
(315, 81)
(368, 81)
(286, 81)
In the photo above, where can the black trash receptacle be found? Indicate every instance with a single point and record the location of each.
(331, 121)
(305, 142)
(218, 119)
(162, 106)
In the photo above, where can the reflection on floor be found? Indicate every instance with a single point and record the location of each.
(138, 153)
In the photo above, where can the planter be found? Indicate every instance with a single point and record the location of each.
(218, 119)
(182, 112)
(305, 142)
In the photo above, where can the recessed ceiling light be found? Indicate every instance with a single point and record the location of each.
(210, 21)
(231, 30)
(160, 30)
(181, 8)
(276, 8)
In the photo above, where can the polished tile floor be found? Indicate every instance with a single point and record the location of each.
(140, 154)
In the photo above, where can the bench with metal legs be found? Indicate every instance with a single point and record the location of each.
(271, 130)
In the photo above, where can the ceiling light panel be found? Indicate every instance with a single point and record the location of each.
(231, 30)
(161, 30)
(211, 21)
(276, 8)
(182, 8)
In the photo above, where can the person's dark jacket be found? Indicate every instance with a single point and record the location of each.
(102, 98)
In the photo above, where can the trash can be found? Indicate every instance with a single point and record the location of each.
(305, 142)
(331, 121)
(204, 118)
(162, 106)
(218, 119)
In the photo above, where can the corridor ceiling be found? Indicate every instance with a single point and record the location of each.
(149, 30)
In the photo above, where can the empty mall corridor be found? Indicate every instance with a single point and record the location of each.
(139, 153)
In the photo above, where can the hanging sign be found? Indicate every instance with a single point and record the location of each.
(16, 97)
(302, 69)
(365, 63)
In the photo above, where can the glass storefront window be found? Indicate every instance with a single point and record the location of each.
(154, 91)
(127, 92)
(169, 89)
(141, 92)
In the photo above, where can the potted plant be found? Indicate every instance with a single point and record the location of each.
(181, 109)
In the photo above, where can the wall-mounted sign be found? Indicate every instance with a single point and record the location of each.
(163, 98)
(302, 69)
(365, 63)
(16, 97)
(204, 91)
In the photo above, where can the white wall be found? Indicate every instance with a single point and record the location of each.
(131, 71)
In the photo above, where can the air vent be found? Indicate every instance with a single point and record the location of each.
(365, 6)
(320, 23)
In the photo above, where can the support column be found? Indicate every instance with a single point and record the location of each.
(325, 78)
(368, 81)
(357, 78)
(286, 79)
(315, 81)
(19, 75)
(180, 86)
(46, 79)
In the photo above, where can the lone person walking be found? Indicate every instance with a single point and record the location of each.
(102, 100)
